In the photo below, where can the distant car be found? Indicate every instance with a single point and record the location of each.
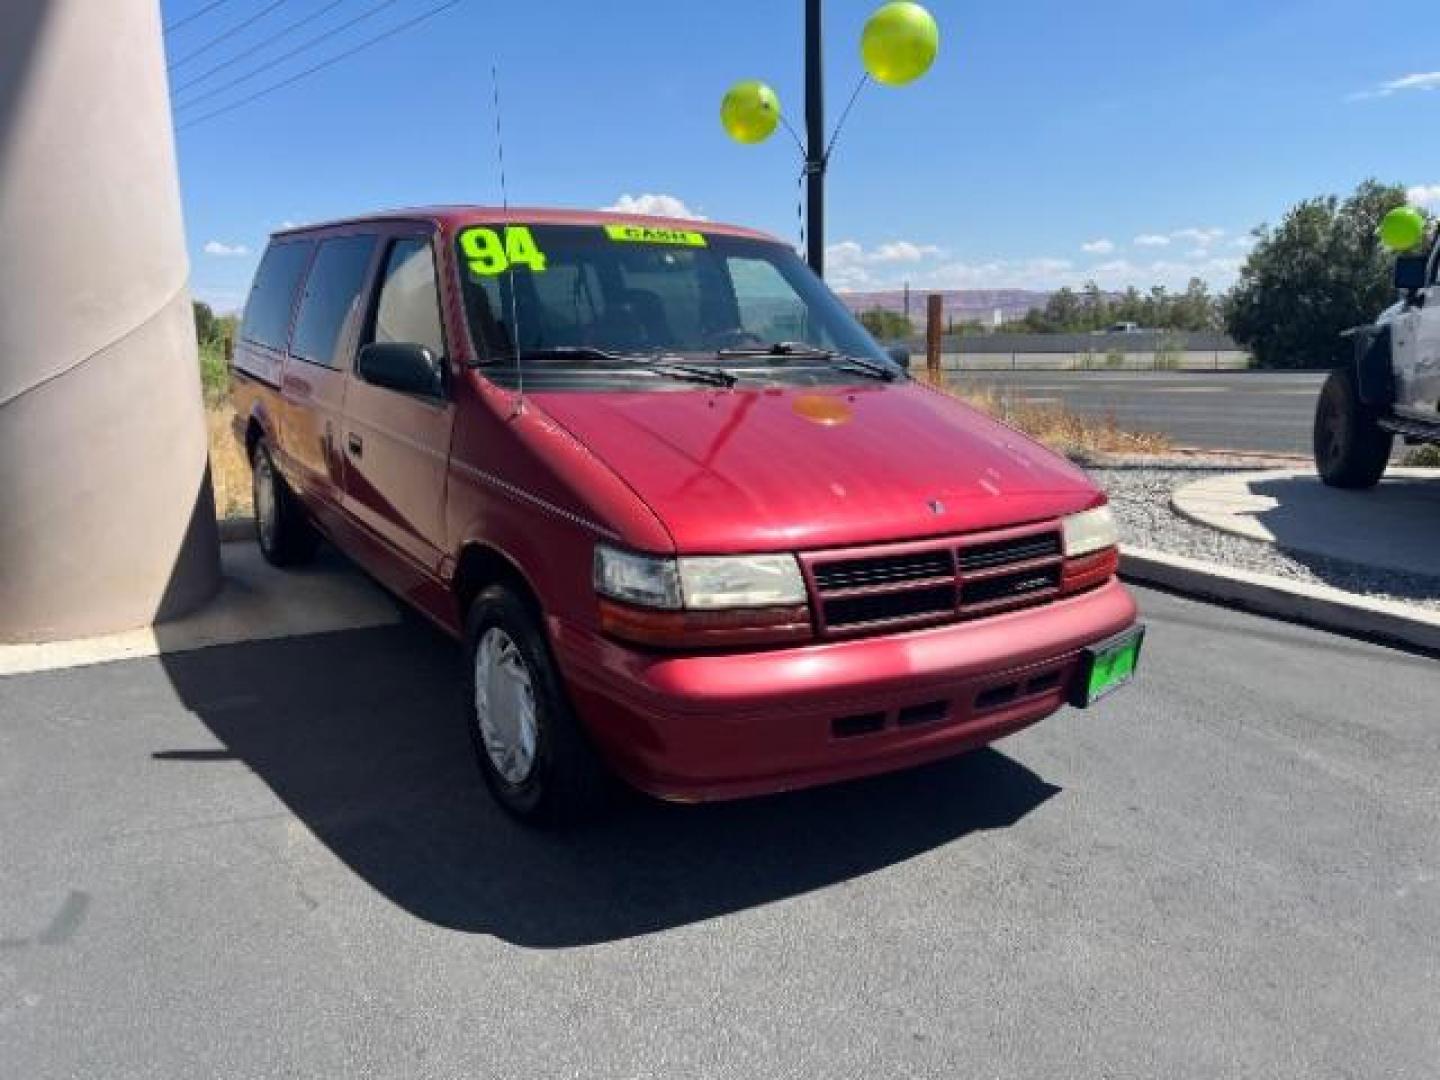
(1122, 328)
(1390, 387)
(679, 546)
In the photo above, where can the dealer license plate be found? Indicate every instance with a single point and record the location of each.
(1106, 667)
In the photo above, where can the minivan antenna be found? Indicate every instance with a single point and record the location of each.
(510, 267)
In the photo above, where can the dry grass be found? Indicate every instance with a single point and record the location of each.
(1422, 457)
(229, 471)
(1061, 429)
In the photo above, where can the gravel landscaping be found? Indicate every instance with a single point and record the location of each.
(1140, 496)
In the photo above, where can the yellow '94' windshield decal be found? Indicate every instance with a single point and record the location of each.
(488, 254)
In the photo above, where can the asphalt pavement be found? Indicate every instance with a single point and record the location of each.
(1270, 412)
(273, 859)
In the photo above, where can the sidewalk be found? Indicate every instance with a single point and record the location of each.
(1395, 526)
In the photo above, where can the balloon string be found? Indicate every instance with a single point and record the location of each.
(793, 134)
(864, 81)
(800, 202)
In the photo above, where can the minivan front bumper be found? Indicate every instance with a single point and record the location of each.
(718, 726)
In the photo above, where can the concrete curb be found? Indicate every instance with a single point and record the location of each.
(1296, 601)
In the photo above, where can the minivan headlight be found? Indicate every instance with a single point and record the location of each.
(1090, 531)
(740, 581)
(698, 583)
(643, 580)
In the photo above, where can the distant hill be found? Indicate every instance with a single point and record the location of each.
(960, 305)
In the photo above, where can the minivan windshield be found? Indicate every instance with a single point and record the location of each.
(591, 295)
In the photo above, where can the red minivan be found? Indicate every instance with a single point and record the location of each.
(695, 528)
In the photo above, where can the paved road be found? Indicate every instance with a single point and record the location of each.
(1270, 411)
(271, 860)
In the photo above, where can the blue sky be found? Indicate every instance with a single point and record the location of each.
(1135, 143)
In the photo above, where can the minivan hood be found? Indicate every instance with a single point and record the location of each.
(791, 468)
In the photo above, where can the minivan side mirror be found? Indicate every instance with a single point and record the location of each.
(1410, 273)
(410, 369)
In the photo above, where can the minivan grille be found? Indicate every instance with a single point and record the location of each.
(858, 573)
(1004, 552)
(917, 584)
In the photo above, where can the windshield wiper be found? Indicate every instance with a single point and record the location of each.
(656, 362)
(800, 350)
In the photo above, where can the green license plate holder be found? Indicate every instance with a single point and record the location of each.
(1106, 667)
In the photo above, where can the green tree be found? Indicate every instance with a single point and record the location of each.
(206, 326)
(1321, 271)
(886, 325)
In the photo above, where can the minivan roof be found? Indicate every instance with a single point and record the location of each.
(452, 217)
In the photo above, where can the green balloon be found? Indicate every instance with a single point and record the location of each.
(899, 43)
(1402, 229)
(750, 112)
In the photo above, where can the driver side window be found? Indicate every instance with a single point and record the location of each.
(408, 309)
(768, 306)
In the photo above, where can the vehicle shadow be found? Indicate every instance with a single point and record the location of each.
(1343, 537)
(360, 734)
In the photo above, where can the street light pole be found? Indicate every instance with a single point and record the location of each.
(815, 140)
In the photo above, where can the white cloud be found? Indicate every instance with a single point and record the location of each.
(1199, 237)
(224, 251)
(1152, 240)
(1429, 80)
(903, 251)
(223, 300)
(852, 267)
(1423, 195)
(1098, 247)
(1243, 243)
(654, 206)
(848, 263)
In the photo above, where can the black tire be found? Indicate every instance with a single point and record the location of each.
(566, 781)
(282, 530)
(1351, 449)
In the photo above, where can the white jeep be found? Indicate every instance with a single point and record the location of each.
(1390, 388)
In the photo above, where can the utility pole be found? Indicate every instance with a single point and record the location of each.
(815, 140)
(898, 45)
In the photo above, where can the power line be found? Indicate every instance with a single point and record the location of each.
(309, 43)
(320, 66)
(285, 32)
(220, 38)
(178, 23)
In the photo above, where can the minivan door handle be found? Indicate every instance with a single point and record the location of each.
(355, 445)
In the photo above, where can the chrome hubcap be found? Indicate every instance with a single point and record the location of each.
(505, 706)
(265, 498)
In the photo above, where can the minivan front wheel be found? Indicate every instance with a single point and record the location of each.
(534, 754)
(285, 537)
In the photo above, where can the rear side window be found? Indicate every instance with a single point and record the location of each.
(408, 310)
(272, 296)
(335, 281)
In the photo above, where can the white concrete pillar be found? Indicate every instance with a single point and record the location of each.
(106, 514)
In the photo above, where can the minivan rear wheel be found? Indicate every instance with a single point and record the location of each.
(285, 535)
(535, 756)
